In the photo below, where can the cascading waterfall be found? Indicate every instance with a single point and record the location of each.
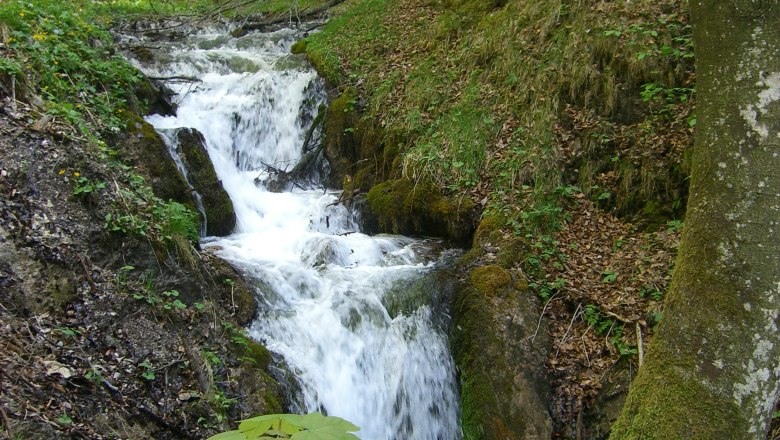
(325, 288)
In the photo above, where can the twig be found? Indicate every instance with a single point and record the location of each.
(169, 365)
(616, 316)
(544, 309)
(639, 344)
(565, 335)
(13, 92)
(232, 298)
(87, 273)
(6, 423)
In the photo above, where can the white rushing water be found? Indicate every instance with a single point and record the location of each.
(324, 286)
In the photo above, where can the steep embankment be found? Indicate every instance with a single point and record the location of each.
(115, 324)
(561, 128)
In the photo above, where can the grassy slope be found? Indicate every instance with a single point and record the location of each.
(554, 115)
(487, 96)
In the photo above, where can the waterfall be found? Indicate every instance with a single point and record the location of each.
(328, 293)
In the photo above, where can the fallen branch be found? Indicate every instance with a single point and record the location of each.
(175, 78)
(301, 16)
(616, 316)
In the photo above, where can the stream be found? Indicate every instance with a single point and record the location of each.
(351, 314)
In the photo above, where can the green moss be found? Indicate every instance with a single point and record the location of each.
(476, 397)
(142, 146)
(257, 354)
(298, 47)
(61, 290)
(488, 280)
(675, 406)
(339, 139)
(405, 207)
(473, 333)
(219, 208)
(479, 353)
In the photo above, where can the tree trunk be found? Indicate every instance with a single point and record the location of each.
(712, 369)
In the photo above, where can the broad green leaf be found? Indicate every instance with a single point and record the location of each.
(229, 435)
(253, 429)
(316, 420)
(286, 423)
(324, 434)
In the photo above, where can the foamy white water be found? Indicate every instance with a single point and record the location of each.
(326, 286)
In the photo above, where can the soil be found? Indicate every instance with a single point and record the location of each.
(106, 335)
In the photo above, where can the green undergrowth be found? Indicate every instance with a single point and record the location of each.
(513, 100)
(57, 57)
(56, 52)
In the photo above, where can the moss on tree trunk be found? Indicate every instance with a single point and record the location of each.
(712, 371)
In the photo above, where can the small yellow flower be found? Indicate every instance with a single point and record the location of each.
(39, 37)
(76, 174)
(62, 171)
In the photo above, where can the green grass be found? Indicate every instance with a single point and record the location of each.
(481, 92)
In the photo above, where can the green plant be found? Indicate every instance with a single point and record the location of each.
(82, 185)
(64, 419)
(592, 316)
(68, 61)
(547, 289)
(212, 358)
(237, 335)
(148, 370)
(618, 341)
(652, 292)
(674, 225)
(313, 426)
(172, 300)
(138, 211)
(67, 331)
(608, 276)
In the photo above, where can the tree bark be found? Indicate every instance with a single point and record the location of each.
(712, 370)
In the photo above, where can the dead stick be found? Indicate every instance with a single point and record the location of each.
(639, 344)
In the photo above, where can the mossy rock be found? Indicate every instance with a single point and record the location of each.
(258, 354)
(151, 98)
(500, 357)
(231, 290)
(220, 214)
(298, 47)
(142, 146)
(338, 138)
(405, 207)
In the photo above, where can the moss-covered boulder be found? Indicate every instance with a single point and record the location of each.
(341, 147)
(221, 217)
(150, 97)
(500, 354)
(405, 207)
(142, 146)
